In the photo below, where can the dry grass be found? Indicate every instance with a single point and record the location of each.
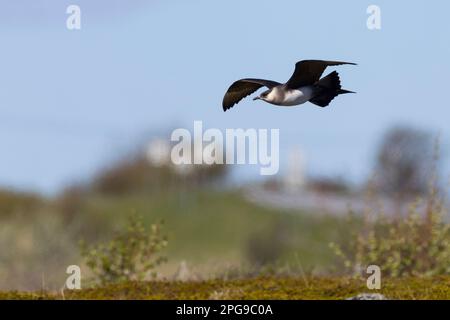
(279, 288)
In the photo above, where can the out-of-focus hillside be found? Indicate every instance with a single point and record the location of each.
(212, 231)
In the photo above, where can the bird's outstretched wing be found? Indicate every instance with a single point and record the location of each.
(308, 72)
(242, 88)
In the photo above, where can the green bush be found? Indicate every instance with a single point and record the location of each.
(133, 254)
(415, 245)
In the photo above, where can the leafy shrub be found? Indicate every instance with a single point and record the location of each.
(416, 245)
(132, 254)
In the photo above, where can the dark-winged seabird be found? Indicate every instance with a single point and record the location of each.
(304, 85)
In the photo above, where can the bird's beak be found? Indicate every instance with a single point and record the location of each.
(256, 98)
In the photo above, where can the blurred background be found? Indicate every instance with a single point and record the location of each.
(86, 117)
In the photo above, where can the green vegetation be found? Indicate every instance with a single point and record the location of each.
(412, 246)
(131, 255)
(417, 244)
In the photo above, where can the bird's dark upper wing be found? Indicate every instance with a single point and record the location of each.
(242, 88)
(308, 72)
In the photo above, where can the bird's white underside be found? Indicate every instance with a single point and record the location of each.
(289, 98)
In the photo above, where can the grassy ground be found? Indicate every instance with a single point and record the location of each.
(257, 288)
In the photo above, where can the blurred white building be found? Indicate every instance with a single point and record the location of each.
(158, 152)
(294, 179)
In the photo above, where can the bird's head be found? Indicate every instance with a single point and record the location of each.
(262, 96)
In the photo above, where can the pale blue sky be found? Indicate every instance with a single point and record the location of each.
(71, 100)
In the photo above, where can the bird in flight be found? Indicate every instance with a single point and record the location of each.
(304, 85)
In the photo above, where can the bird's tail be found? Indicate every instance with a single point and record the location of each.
(327, 89)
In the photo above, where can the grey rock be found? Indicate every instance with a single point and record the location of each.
(368, 296)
